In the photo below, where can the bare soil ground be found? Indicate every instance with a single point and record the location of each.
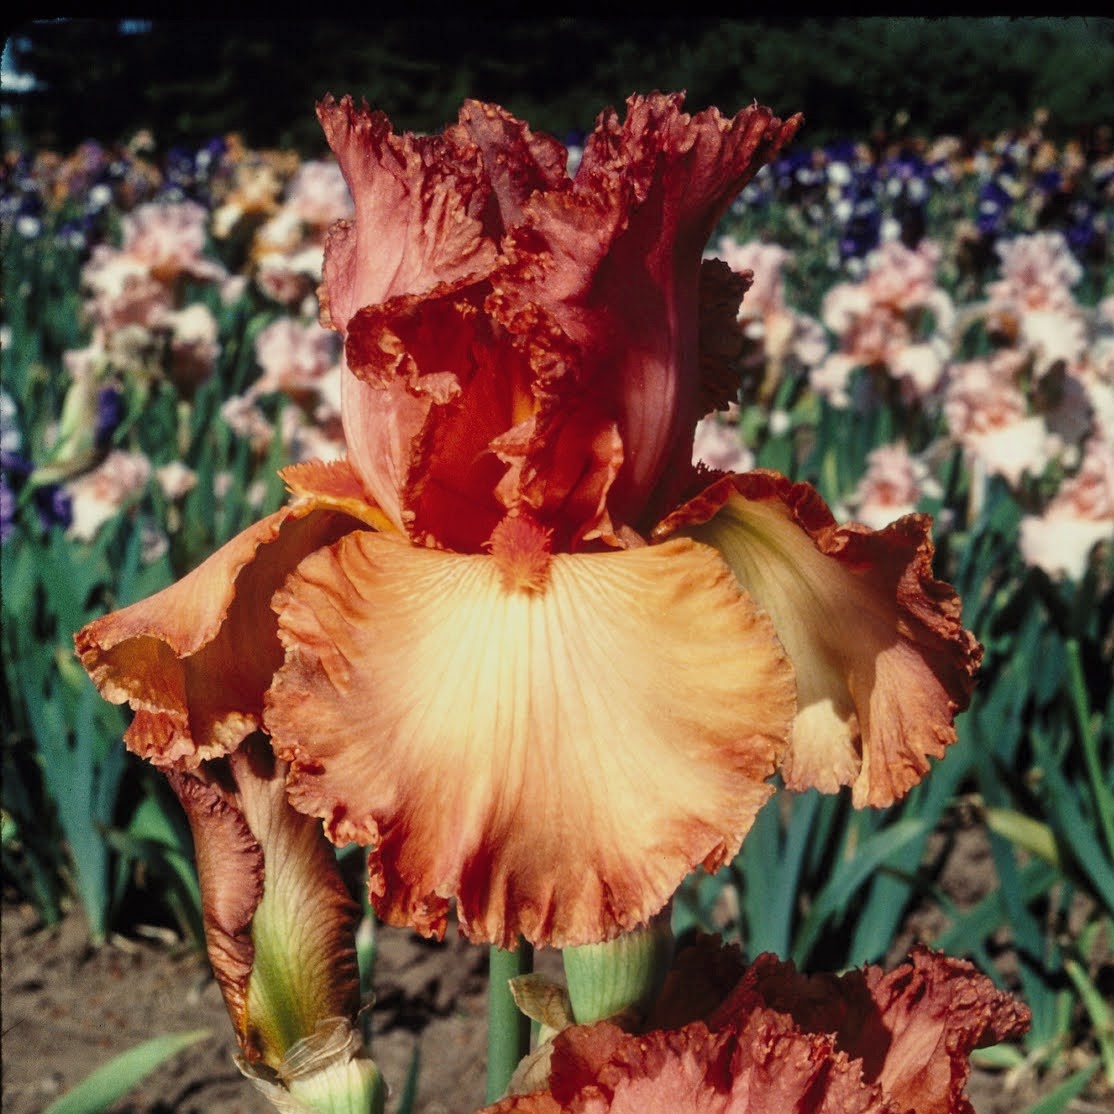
(68, 1008)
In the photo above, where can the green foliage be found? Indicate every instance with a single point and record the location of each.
(82, 818)
(1059, 1099)
(113, 1080)
(205, 77)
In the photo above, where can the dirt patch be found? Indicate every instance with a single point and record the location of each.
(68, 1007)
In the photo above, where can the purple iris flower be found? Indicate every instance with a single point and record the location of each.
(110, 412)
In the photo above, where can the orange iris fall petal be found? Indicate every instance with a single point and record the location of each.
(557, 760)
(194, 660)
(882, 659)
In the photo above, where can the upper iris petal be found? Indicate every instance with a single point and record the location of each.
(519, 339)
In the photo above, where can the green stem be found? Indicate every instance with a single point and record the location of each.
(621, 974)
(508, 1030)
(1104, 802)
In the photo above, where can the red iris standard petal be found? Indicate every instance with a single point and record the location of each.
(429, 213)
(444, 389)
(537, 343)
(604, 283)
(420, 208)
(665, 178)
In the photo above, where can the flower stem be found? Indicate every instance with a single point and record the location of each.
(508, 1030)
(621, 974)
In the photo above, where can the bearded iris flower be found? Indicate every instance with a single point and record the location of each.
(515, 643)
(864, 1042)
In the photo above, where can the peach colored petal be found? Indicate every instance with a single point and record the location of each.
(703, 971)
(882, 660)
(194, 660)
(333, 484)
(616, 725)
(776, 1067)
(602, 1068)
(539, 1102)
(279, 922)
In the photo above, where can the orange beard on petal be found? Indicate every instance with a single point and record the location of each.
(555, 759)
(521, 549)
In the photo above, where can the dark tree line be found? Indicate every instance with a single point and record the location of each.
(188, 80)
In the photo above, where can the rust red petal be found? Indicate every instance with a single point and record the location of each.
(765, 1065)
(420, 204)
(913, 1029)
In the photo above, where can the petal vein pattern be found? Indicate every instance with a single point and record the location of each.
(554, 760)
